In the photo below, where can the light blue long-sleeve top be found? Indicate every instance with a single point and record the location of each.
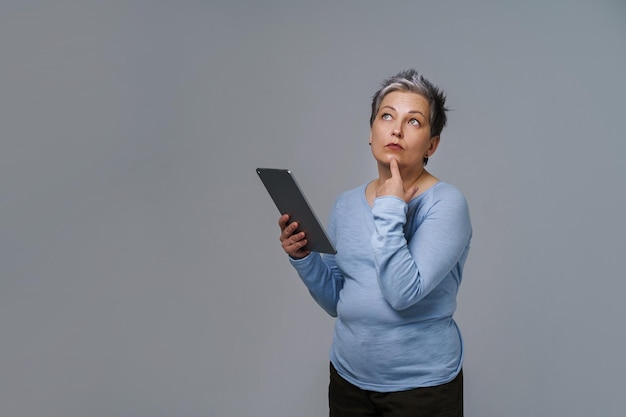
(392, 286)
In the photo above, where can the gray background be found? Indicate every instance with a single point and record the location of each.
(141, 273)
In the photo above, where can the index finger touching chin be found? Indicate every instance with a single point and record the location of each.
(393, 165)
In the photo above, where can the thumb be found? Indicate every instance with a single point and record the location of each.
(410, 193)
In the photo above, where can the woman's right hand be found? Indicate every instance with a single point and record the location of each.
(292, 242)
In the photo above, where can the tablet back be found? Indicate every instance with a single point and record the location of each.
(289, 199)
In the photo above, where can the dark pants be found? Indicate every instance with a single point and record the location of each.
(347, 400)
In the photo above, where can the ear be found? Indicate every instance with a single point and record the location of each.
(370, 139)
(434, 144)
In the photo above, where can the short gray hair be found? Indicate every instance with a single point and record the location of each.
(413, 81)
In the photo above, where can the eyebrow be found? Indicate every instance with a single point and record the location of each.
(410, 111)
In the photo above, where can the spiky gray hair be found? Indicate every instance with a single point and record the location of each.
(413, 81)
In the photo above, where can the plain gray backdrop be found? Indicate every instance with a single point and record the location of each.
(141, 273)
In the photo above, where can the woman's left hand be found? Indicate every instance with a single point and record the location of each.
(394, 185)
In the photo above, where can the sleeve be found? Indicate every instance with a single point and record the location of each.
(323, 281)
(409, 270)
(321, 275)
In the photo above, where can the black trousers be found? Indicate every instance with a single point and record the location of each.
(347, 400)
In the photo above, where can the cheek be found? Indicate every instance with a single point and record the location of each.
(376, 133)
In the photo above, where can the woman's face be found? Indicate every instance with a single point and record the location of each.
(401, 128)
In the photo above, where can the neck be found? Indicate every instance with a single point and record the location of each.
(409, 177)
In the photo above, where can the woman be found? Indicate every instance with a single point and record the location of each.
(402, 241)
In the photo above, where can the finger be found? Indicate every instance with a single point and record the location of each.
(282, 221)
(288, 231)
(292, 233)
(298, 243)
(395, 170)
(291, 229)
(299, 247)
(295, 244)
(299, 253)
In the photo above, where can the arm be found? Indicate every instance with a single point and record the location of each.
(319, 273)
(322, 277)
(409, 270)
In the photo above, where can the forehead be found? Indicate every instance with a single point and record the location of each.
(406, 101)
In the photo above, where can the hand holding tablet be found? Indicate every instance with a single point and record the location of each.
(289, 199)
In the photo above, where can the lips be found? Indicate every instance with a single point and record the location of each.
(394, 147)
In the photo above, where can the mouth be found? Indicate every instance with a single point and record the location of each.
(394, 147)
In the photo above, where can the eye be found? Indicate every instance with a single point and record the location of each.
(385, 116)
(414, 122)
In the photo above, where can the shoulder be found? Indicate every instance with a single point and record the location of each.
(352, 195)
(445, 193)
(442, 201)
(443, 204)
(347, 204)
(446, 190)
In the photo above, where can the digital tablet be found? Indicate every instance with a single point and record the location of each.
(289, 199)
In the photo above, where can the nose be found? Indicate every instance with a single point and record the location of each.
(397, 130)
